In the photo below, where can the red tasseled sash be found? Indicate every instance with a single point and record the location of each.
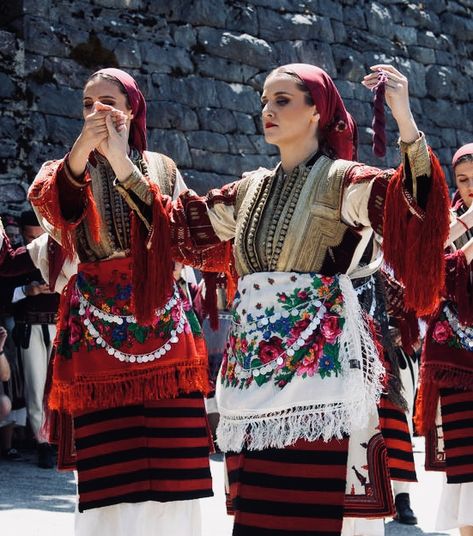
(413, 240)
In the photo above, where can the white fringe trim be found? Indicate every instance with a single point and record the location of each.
(282, 429)
(356, 342)
(279, 429)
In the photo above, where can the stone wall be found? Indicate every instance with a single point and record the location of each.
(201, 64)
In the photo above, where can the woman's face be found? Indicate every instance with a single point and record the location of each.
(105, 92)
(287, 118)
(464, 180)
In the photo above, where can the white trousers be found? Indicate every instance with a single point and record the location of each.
(35, 360)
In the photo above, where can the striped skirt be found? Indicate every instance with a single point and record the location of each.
(457, 424)
(298, 490)
(153, 452)
(395, 430)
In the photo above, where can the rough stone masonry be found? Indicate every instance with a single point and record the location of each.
(201, 64)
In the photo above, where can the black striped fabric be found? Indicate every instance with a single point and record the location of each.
(457, 424)
(395, 430)
(153, 452)
(294, 491)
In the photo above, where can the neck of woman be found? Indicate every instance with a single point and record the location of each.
(295, 153)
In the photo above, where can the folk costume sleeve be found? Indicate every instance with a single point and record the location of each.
(409, 208)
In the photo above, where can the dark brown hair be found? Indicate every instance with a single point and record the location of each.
(114, 81)
(299, 83)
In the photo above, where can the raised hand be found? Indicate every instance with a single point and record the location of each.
(397, 98)
(93, 135)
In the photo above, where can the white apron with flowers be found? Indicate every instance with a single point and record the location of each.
(299, 363)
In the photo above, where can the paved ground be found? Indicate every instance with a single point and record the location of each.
(39, 502)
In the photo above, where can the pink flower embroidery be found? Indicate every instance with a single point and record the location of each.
(269, 350)
(442, 332)
(330, 328)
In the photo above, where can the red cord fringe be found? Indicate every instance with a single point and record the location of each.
(152, 261)
(129, 388)
(414, 246)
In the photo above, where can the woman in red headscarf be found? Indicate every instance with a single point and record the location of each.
(301, 372)
(445, 401)
(127, 367)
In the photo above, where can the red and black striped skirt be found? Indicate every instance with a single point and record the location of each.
(457, 424)
(298, 490)
(395, 430)
(158, 451)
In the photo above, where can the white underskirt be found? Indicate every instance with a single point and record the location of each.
(456, 506)
(362, 527)
(179, 518)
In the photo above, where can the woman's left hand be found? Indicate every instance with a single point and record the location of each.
(397, 98)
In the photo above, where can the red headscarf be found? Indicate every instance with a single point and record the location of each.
(137, 103)
(464, 150)
(337, 128)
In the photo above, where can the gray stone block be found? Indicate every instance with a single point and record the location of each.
(206, 13)
(7, 87)
(62, 101)
(238, 97)
(242, 17)
(241, 48)
(62, 131)
(245, 123)
(217, 120)
(41, 38)
(166, 58)
(7, 43)
(355, 16)
(128, 53)
(274, 26)
(184, 36)
(340, 34)
(431, 40)
(223, 69)
(173, 144)
(349, 62)
(319, 54)
(421, 18)
(460, 27)
(241, 144)
(407, 35)
(422, 54)
(446, 58)
(286, 52)
(9, 127)
(438, 80)
(66, 72)
(8, 149)
(120, 4)
(170, 114)
(379, 20)
(209, 141)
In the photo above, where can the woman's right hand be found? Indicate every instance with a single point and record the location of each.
(94, 132)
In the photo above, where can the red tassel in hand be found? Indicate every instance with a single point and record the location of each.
(379, 119)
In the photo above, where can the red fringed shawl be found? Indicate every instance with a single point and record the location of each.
(409, 232)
